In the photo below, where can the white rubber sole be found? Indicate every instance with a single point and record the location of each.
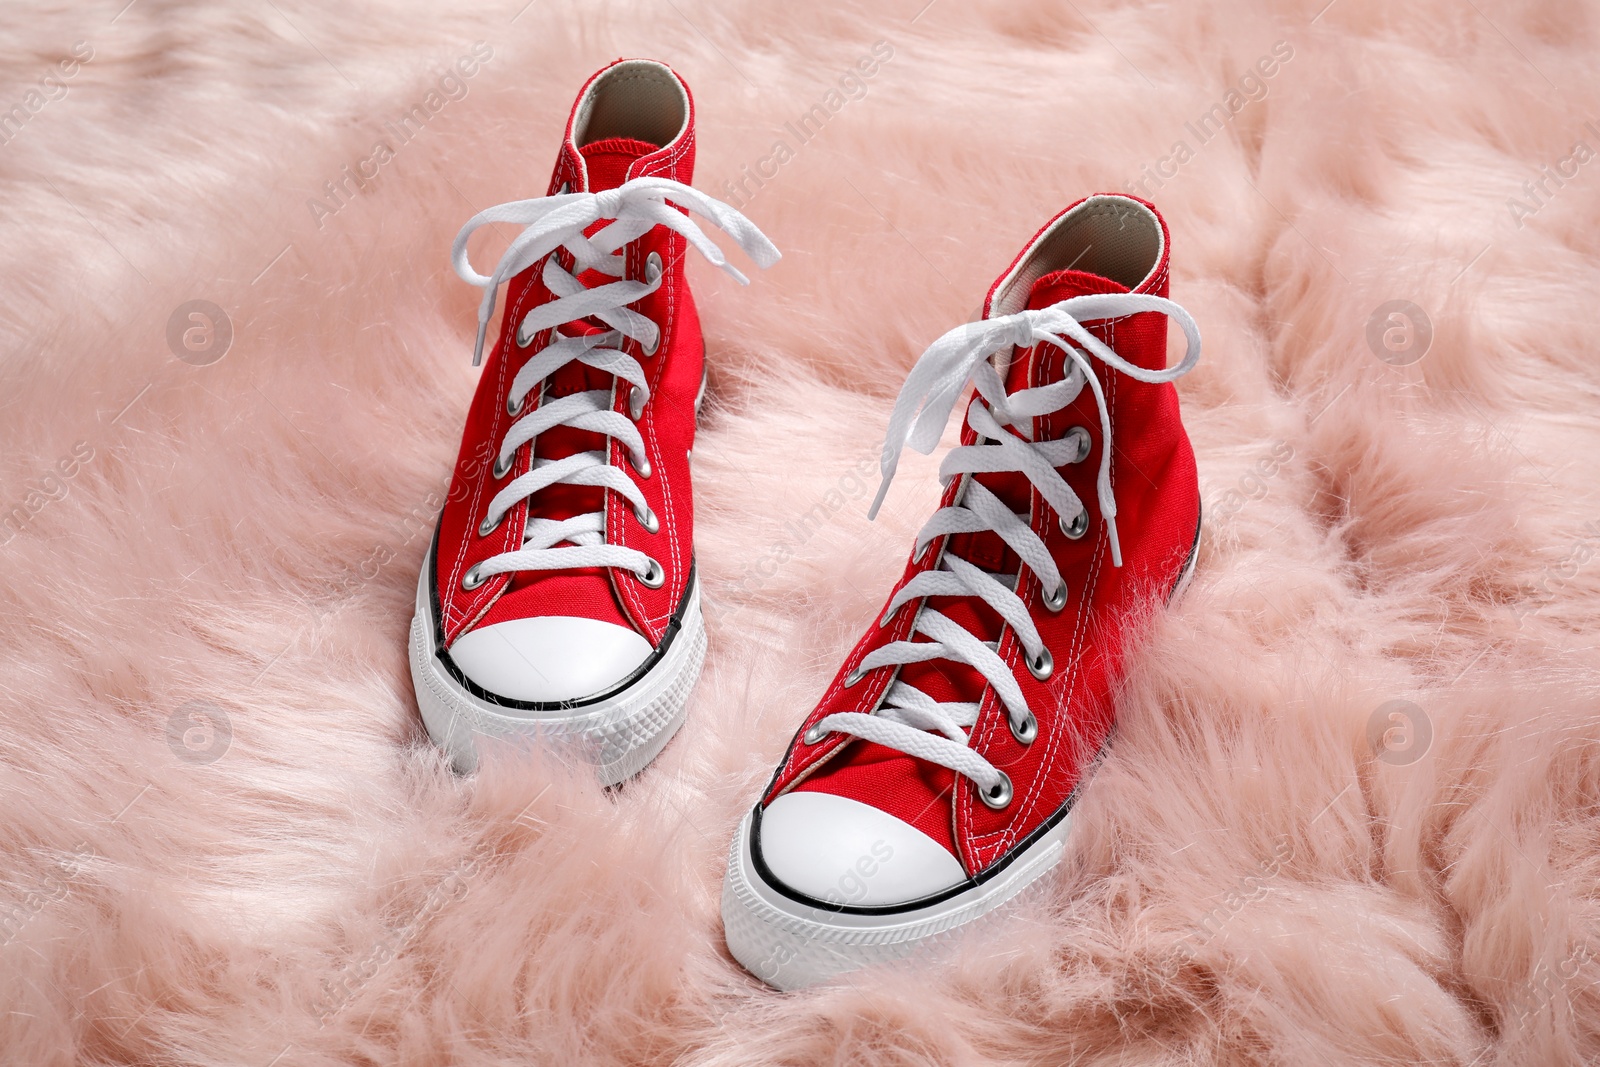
(790, 944)
(619, 735)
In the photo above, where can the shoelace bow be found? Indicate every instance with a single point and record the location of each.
(908, 719)
(559, 221)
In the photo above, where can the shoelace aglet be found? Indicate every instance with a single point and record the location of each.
(477, 349)
(890, 462)
(883, 491)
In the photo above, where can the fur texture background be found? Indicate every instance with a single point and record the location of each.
(225, 840)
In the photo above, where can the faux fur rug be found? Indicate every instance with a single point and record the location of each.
(1350, 813)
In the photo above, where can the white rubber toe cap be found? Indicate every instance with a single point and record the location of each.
(550, 657)
(846, 852)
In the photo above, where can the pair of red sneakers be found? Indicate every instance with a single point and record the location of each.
(559, 602)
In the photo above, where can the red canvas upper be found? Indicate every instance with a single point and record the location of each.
(1154, 479)
(667, 426)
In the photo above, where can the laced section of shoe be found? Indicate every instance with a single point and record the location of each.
(559, 221)
(907, 719)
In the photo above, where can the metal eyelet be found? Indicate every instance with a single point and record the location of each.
(1078, 526)
(654, 577)
(855, 675)
(998, 796)
(523, 338)
(513, 406)
(1042, 666)
(640, 464)
(887, 617)
(472, 579)
(813, 734)
(636, 400)
(1026, 733)
(652, 273)
(1055, 599)
(1085, 443)
(648, 520)
(503, 467)
(485, 528)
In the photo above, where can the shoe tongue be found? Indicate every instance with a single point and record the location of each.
(608, 161)
(607, 164)
(986, 549)
(1065, 284)
(1050, 289)
(951, 681)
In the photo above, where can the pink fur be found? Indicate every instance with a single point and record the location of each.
(1248, 882)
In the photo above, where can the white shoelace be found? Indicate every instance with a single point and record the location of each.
(553, 222)
(908, 719)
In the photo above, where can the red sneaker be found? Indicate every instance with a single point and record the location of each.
(933, 781)
(559, 600)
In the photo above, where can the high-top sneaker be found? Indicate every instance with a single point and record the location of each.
(933, 781)
(558, 604)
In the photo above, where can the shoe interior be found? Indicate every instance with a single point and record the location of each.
(639, 99)
(1112, 236)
